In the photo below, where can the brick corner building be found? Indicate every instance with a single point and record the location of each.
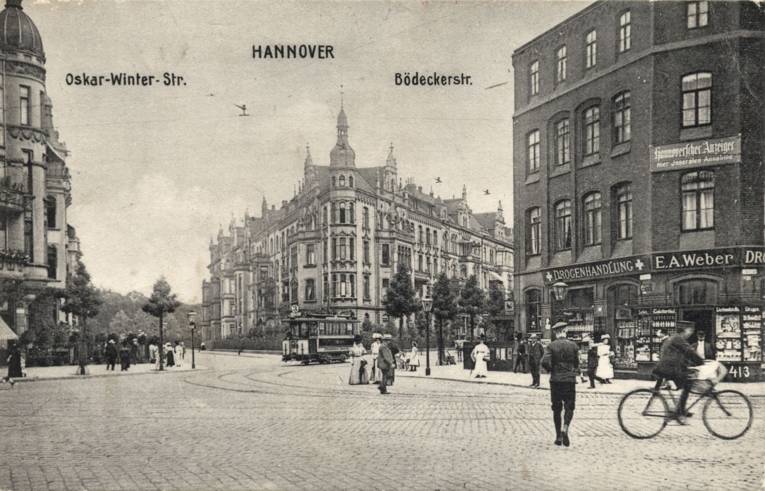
(638, 182)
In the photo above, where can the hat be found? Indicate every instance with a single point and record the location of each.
(559, 325)
(387, 336)
(376, 335)
(605, 336)
(533, 336)
(357, 338)
(111, 341)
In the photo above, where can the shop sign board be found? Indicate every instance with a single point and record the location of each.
(698, 153)
(714, 258)
(598, 269)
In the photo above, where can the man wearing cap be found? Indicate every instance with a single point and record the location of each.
(386, 363)
(536, 352)
(561, 359)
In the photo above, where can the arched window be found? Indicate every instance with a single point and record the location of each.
(623, 216)
(592, 219)
(533, 231)
(697, 99)
(351, 214)
(698, 189)
(532, 151)
(562, 142)
(350, 181)
(533, 300)
(563, 225)
(50, 211)
(342, 213)
(342, 181)
(591, 126)
(622, 117)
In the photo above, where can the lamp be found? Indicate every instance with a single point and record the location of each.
(427, 306)
(560, 289)
(192, 317)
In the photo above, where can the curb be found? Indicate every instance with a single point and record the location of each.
(102, 375)
(508, 384)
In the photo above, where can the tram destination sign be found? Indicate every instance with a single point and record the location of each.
(598, 269)
(698, 153)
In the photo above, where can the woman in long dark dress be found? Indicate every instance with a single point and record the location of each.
(14, 364)
(170, 356)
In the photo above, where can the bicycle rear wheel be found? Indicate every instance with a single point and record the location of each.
(643, 413)
(727, 414)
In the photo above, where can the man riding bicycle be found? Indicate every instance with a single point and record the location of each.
(676, 357)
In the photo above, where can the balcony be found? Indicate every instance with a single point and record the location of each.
(13, 198)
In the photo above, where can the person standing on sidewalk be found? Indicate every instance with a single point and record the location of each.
(386, 363)
(374, 374)
(561, 359)
(520, 359)
(14, 364)
(480, 355)
(592, 363)
(536, 352)
(111, 355)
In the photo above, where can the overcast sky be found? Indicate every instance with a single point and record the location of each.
(156, 170)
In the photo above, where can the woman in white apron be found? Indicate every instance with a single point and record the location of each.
(480, 355)
(358, 363)
(414, 358)
(605, 370)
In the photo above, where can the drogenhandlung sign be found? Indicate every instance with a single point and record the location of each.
(698, 153)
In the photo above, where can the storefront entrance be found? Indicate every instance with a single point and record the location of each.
(702, 318)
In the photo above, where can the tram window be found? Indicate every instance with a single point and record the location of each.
(322, 328)
(349, 327)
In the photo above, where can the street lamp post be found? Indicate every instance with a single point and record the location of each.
(427, 306)
(192, 325)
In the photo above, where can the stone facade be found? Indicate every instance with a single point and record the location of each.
(336, 244)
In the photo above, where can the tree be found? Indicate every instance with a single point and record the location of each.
(444, 309)
(161, 302)
(496, 304)
(83, 300)
(399, 299)
(120, 323)
(471, 301)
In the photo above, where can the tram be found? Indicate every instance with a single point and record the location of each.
(319, 338)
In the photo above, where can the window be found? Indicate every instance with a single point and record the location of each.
(560, 68)
(334, 249)
(624, 212)
(698, 14)
(365, 218)
(350, 181)
(310, 254)
(698, 190)
(351, 248)
(696, 292)
(427, 236)
(533, 310)
(534, 233)
(310, 290)
(697, 99)
(342, 181)
(562, 142)
(592, 131)
(366, 252)
(419, 262)
(386, 255)
(563, 225)
(532, 153)
(591, 49)
(24, 105)
(50, 211)
(625, 31)
(534, 78)
(367, 293)
(592, 219)
(52, 262)
(435, 238)
(419, 234)
(352, 284)
(622, 117)
(342, 213)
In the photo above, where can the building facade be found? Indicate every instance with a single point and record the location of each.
(37, 245)
(638, 182)
(335, 245)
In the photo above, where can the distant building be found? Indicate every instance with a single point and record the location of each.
(638, 179)
(336, 244)
(36, 242)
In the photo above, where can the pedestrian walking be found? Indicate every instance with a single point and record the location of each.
(561, 359)
(358, 363)
(374, 375)
(605, 370)
(14, 364)
(536, 352)
(592, 363)
(170, 356)
(134, 351)
(480, 355)
(124, 357)
(178, 354)
(241, 348)
(520, 358)
(111, 355)
(386, 363)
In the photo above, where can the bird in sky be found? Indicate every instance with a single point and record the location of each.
(438, 180)
(486, 192)
(243, 107)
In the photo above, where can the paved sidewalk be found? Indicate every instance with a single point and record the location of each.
(99, 370)
(618, 386)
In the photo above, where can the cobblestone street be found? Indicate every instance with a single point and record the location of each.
(250, 422)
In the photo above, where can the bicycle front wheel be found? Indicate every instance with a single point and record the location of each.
(727, 414)
(643, 413)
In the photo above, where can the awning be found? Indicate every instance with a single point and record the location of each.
(495, 276)
(5, 332)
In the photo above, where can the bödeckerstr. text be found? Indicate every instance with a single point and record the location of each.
(434, 79)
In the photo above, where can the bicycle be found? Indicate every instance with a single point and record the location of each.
(644, 413)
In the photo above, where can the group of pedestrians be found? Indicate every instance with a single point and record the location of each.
(380, 367)
(173, 354)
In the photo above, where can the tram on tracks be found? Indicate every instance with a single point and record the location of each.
(319, 338)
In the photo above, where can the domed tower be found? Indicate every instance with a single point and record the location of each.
(25, 148)
(342, 158)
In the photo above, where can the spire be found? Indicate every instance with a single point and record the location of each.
(342, 155)
(263, 208)
(500, 206)
(391, 160)
(464, 193)
(308, 158)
